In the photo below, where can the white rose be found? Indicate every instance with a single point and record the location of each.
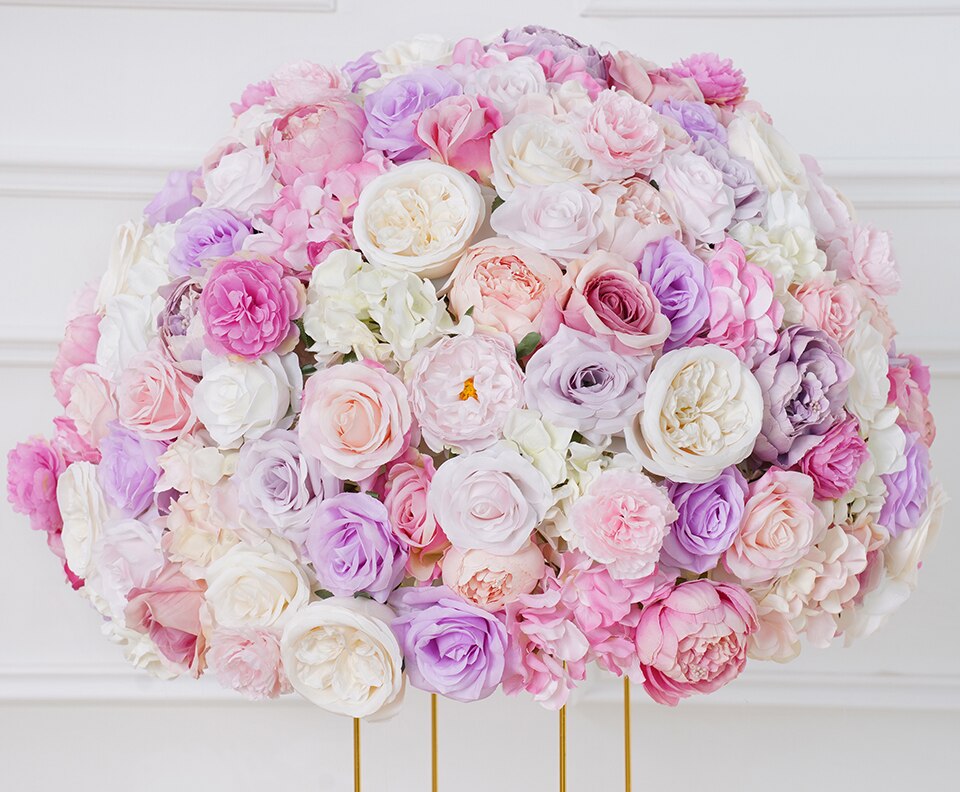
(419, 52)
(418, 217)
(778, 166)
(539, 441)
(84, 512)
(139, 650)
(92, 405)
(256, 587)
(535, 149)
(125, 555)
(137, 264)
(703, 202)
(126, 329)
(189, 464)
(869, 387)
(702, 413)
(489, 500)
(561, 220)
(244, 399)
(341, 655)
(243, 181)
(508, 84)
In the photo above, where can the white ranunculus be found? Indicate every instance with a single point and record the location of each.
(245, 398)
(242, 181)
(509, 84)
(128, 325)
(418, 217)
(539, 441)
(869, 387)
(340, 654)
(84, 512)
(260, 587)
(534, 149)
(702, 413)
(777, 165)
(137, 265)
(125, 555)
(703, 202)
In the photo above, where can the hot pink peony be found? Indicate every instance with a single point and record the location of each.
(457, 131)
(720, 82)
(833, 463)
(248, 661)
(33, 469)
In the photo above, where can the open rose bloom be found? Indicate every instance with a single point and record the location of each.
(487, 366)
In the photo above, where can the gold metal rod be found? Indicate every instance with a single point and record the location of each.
(356, 755)
(626, 734)
(433, 741)
(563, 748)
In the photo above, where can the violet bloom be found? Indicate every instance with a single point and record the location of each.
(392, 111)
(907, 489)
(533, 39)
(362, 69)
(749, 195)
(205, 234)
(804, 382)
(708, 521)
(175, 198)
(129, 470)
(697, 118)
(449, 646)
(353, 548)
(681, 283)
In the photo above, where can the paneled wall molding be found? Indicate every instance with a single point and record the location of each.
(770, 8)
(309, 6)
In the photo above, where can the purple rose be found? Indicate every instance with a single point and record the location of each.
(129, 469)
(392, 112)
(907, 489)
(749, 196)
(681, 283)
(533, 39)
(353, 548)
(175, 198)
(181, 334)
(362, 69)
(449, 646)
(697, 118)
(279, 484)
(578, 381)
(708, 521)
(205, 234)
(804, 382)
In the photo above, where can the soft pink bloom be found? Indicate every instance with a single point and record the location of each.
(744, 313)
(79, 346)
(248, 661)
(627, 72)
(507, 285)
(621, 522)
(720, 82)
(863, 253)
(829, 212)
(248, 307)
(621, 136)
(71, 445)
(831, 306)
(304, 83)
(253, 95)
(780, 524)
(91, 402)
(634, 214)
(355, 418)
(572, 68)
(694, 639)
(492, 581)
(33, 468)
(168, 610)
(833, 463)
(910, 391)
(154, 397)
(457, 131)
(668, 84)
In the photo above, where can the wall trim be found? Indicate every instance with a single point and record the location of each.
(768, 8)
(264, 6)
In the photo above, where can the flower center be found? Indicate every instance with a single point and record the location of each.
(469, 390)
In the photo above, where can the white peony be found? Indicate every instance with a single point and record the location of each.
(128, 326)
(242, 181)
(776, 163)
(189, 464)
(125, 555)
(869, 387)
(84, 512)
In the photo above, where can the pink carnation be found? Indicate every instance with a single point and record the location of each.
(863, 253)
(248, 661)
(910, 391)
(304, 83)
(717, 78)
(79, 346)
(833, 463)
(830, 306)
(457, 131)
(33, 469)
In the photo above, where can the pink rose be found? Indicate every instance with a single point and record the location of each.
(831, 306)
(607, 298)
(507, 286)
(744, 313)
(248, 661)
(621, 136)
(910, 391)
(457, 132)
(720, 82)
(668, 84)
(304, 83)
(627, 72)
(355, 418)
(79, 346)
(492, 581)
(863, 252)
(694, 639)
(91, 401)
(780, 524)
(621, 521)
(633, 214)
(834, 462)
(154, 397)
(248, 307)
(33, 469)
(168, 610)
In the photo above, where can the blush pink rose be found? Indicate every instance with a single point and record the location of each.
(621, 136)
(154, 397)
(248, 661)
(91, 401)
(627, 72)
(634, 214)
(79, 346)
(694, 639)
(863, 253)
(457, 131)
(831, 306)
(507, 285)
(355, 418)
(910, 391)
(168, 610)
(716, 77)
(492, 581)
(668, 84)
(834, 462)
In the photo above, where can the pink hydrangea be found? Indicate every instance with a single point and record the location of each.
(720, 82)
(910, 391)
(33, 468)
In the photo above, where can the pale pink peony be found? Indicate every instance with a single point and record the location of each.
(248, 661)
(304, 83)
(621, 136)
(910, 391)
(633, 214)
(627, 72)
(79, 346)
(91, 402)
(831, 306)
(720, 82)
(154, 397)
(68, 441)
(457, 131)
(863, 253)
(492, 581)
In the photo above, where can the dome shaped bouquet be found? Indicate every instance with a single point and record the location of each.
(467, 365)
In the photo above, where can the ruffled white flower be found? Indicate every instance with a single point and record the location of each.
(128, 326)
(542, 443)
(403, 57)
(189, 464)
(84, 511)
(139, 650)
(509, 85)
(125, 555)
(137, 265)
(777, 164)
(584, 462)
(869, 387)
(242, 181)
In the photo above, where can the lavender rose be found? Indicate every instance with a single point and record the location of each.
(907, 489)
(708, 521)
(205, 234)
(749, 195)
(392, 111)
(181, 334)
(577, 380)
(697, 118)
(681, 283)
(175, 198)
(362, 69)
(804, 383)
(450, 646)
(353, 548)
(129, 469)
(533, 39)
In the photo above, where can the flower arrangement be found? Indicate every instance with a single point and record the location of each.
(468, 365)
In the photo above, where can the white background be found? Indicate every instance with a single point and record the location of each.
(100, 99)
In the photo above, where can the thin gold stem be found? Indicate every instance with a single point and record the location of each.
(626, 734)
(433, 740)
(563, 748)
(356, 755)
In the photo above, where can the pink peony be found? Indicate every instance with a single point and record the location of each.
(634, 214)
(71, 445)
(717, 78)
(248, 307)
(621, 136)
(833, 463)
(248, 661)
(830, 306)
(154, 397)
(79, 346)
(910, 391)
(254, 95)
(492, 581)
(457, 131)
(304, 83)
(693, 639)
(863, 253)
(33, 469)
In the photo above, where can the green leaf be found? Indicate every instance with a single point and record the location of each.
(654, 185)
(497, 203)
(469, 311)
(527, 344)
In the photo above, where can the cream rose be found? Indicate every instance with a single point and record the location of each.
(869, 386)
(84, 512)
(419, 217)
(129, 324)
(137, 265)
(509, 85)
(778, 166)
(702, 412)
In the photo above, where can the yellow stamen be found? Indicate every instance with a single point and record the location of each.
(469, 391)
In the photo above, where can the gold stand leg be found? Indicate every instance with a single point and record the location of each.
(563, 749)
(626, 735)
(433, 741)
(356, 755)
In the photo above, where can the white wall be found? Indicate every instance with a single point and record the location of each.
(101, 99)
